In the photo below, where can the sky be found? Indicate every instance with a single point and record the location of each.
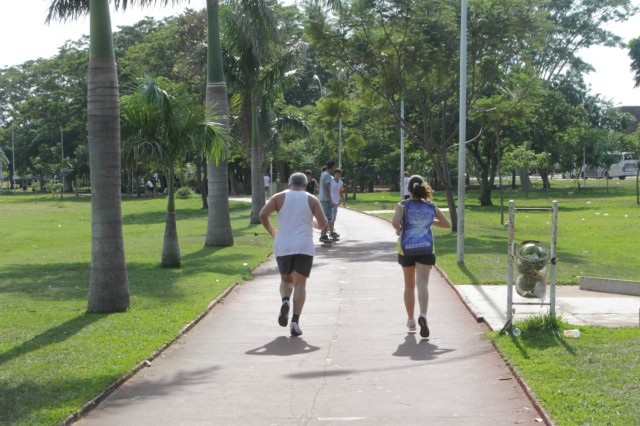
(25, 36)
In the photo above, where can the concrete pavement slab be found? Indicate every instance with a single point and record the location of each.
(576, 306)
(355, 362)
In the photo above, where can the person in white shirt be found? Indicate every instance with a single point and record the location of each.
(298, 213)
(405, 187)
(267, 184)
(337, 195)
(150, 188)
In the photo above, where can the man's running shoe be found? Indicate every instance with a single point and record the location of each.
(411, 325)
(283, 318)
(334, 235)
(424, 329)
(295, 329)
(325, 239)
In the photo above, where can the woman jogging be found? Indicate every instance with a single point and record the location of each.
(412, 221)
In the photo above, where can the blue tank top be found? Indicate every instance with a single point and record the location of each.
(416, 238)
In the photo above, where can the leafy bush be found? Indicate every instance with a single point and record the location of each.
(53, 187)
(184, 193)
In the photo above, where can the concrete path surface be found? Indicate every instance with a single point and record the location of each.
(355, 363)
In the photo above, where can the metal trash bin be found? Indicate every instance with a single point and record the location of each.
(532, 258)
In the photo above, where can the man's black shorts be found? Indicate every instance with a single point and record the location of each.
(300, 263)
(424, 259)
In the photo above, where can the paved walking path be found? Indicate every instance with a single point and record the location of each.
(355, 362)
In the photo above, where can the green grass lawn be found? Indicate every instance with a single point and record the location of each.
(591, 380)
(598, 231)
(53, 356)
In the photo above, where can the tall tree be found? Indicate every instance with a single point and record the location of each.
(252, 33)
(219, 222)
(410, 50)
(109, 283)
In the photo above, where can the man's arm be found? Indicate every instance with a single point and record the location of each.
(272, 205)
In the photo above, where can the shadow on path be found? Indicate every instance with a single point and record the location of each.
(284, 346)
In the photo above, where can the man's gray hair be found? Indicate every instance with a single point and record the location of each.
(298, 179)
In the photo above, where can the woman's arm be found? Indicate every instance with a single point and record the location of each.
(396, 220)
(441, 220)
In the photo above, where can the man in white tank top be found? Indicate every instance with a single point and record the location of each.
(298, 213)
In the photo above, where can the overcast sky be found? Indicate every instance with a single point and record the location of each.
(25, 36)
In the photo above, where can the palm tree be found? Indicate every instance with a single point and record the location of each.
(259, 68)
(109, 284)
(166, 122)
(219, 222)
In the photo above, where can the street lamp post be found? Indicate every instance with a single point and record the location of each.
(315, 77)
(401, 148)
(62, 152)
(340, 142)
(462, 132)
(1, 175)
(13, 159)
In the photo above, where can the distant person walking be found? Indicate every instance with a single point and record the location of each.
(298, 213)
(412, 221)
(337, 195)
(325, 199)
(312, 184)
(405, 188)
(150, 188)
(267, 185)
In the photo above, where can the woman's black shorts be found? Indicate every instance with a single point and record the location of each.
(424, 259)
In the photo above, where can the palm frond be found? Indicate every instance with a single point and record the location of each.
(64, 10)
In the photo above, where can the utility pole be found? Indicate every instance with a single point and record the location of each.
(62, 163)
(13, 159)
(462, 133)
(1, 175)
(340, 142)
(401, 149)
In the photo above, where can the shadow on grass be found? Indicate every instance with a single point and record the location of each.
(20, 401)
(541, 341)
(64, 281)
(54, 335)
(236, 210)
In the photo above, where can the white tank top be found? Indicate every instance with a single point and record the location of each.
(295, 226)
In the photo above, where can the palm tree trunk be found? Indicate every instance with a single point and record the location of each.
(257, 180)
(171, 244)
(201, 180)
(109, 284)
(219, 232)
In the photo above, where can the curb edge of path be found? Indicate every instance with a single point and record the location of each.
(546, 418)
(93, 403)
